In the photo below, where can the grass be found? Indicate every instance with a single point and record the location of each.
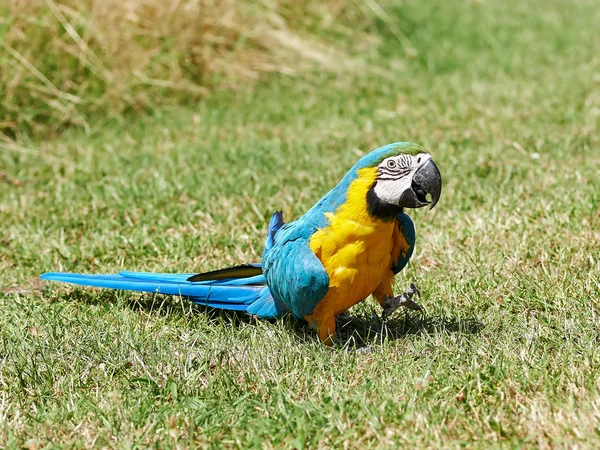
(505, 96)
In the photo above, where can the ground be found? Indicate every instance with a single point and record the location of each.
(506, 97)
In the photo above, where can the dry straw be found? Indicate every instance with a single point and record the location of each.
(70, 62)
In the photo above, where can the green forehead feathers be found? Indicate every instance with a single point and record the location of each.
(401, 148)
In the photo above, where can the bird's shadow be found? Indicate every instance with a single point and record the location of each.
(356, 329)
(363, 330)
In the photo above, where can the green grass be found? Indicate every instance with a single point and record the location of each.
(506, 98)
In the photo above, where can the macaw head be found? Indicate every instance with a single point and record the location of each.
(406, 177)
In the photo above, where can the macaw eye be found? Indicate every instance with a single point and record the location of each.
(419, 160)
(391, 164)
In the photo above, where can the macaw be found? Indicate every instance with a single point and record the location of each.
(349, 245)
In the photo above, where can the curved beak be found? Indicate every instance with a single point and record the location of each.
(426, 180)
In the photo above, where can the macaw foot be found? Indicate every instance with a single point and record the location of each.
(367, 350)
(391, 304)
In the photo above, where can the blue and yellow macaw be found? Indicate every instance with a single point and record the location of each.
(345, 248)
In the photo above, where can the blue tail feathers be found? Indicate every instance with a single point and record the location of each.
(250, 294)
(239, 288)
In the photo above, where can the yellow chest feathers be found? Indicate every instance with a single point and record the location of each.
(356, 249)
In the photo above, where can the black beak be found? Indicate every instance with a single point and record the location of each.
(426, 180)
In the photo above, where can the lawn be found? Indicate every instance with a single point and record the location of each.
(505, 96)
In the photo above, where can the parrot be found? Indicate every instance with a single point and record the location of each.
(348, 246)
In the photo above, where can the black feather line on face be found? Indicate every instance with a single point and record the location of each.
(396, 173)
(380, 209)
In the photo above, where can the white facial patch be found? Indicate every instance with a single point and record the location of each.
(395, 176)
(390, 191)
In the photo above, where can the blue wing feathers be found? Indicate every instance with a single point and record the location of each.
(275, 224)
(293, 271)
(407, 228)
(267, 306)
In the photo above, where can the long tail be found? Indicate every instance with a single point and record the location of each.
(239, 288)
(248, 294)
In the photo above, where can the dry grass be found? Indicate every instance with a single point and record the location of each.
(69, 62)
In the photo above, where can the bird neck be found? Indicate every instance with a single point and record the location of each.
(380, 209)
(350, 223)
(362, 204)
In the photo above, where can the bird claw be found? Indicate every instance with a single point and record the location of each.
(367, 350)
(391, 304)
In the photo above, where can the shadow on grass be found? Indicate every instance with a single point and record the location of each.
(161, 305)
(357, 331)
(354, 330)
